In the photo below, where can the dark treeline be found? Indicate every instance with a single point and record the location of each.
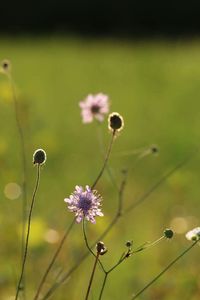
(131, 17)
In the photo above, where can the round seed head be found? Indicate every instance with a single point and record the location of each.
(154, 149)
(115, 122)
(129, 244)
(39, 157)
(168, 233)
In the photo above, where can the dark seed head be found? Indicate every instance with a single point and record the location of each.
(154, 149)
(168, 233)
(115, 122)
(39, 157)
(101, 248)
(129, 244)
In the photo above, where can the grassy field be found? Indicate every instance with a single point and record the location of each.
(155, 86)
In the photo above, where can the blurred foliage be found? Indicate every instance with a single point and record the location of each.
(155, 86)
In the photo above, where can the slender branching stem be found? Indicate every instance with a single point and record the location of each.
(92, 276)
(105, 161)
(53, 259)
(163, 271)
(159, 182)
(87, 244)
(140, 200)
(124, 256)
(28, 231)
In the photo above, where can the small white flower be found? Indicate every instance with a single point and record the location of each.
(193, 235)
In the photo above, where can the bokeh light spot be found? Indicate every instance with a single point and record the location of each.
(12, 191)
(51, 236)
(179, 225)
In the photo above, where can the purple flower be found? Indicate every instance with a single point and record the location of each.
(94, 106)
(85, 204)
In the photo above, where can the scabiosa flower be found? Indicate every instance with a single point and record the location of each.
(85, 204)
(193, 235)
(94, 106)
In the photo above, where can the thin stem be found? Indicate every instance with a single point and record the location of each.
(103, 285)
(53, 259)
(124, 256)
(159, 182)
(115, 220)
(88, 247)
(105, 161)
(163, 271)
(92, 276)
(100, 140)
(148, 245)
(28, 231)
(23, 162)
(21, 136)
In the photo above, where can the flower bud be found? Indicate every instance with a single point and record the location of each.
(39, 157)
(129, 244)
(168, 233)
(115, 122)
(6, 65)
(154, 149)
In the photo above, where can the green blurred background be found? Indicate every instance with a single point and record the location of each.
(155, 85)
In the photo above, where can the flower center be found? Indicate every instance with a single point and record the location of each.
(84, 203)
(95, 109)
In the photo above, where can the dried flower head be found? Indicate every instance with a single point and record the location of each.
(39, 157)
(168, 233)
(193, 235)
(85, 204)
(115, 122)
(94, 106)
(101, 248)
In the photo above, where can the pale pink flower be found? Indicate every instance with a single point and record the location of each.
(85, 204)
(94, 106)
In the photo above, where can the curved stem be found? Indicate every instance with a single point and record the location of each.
(88, 247)
(115, 220)
(23, 162)
(28, 231)
(21, 137)
(105, 161)
(163, 271)
(53, 260)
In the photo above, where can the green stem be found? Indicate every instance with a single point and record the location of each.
(116, 218)
(105, 161)
(103, 285)
(92, 277)
(163, 271)
(28, 232)
(53, 260)
(24, 171)
(88, 247)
